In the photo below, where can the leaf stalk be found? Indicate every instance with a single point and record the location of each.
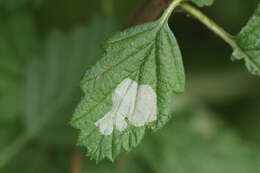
(167, 13)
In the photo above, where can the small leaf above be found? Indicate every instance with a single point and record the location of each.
(249, 41)
(129, 90)
(202, 3)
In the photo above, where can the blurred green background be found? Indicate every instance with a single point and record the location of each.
(46, 46)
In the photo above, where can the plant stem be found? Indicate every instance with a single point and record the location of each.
(168, 11)
(76, 162)
(228, 38)
(148, 11)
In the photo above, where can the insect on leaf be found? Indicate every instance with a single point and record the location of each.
(129, 90)
(249, 41)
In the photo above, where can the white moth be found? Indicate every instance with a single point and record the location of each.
(131, 102)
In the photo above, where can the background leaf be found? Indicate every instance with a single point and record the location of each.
(203, 132)
(43, 160)
(18, 42)
(52, 82)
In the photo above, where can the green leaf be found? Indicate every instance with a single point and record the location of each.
(249, 41)
(202, 3)
(129, 90)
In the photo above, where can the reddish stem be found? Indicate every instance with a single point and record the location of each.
(149, 11)
(76, 162)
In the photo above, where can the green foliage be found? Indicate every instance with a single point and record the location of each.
(43, 161)
(9, 99)
(193, 137)
(18, 41)
(249, 41)
(187, 145)
(202, 3)
(196, 138)
(215, 122)
(7, 132)
(52, 79)
(52, 82)
(148, 54)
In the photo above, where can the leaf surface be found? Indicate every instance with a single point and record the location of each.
(149, 57)
(202, 3)
(249, 41)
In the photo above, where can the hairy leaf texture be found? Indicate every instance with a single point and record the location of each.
(129, 90)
